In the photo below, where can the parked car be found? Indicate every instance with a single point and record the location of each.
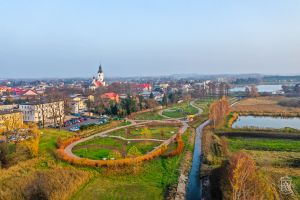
(74, 129)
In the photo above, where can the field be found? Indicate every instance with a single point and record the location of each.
(276, 157)
(46, 177)
(158, 132)
(102, 147)
(149, 180)
(180, 110)
(268, 106)
(49, 138)
(264, 144)
(42, 177)
(153, 115)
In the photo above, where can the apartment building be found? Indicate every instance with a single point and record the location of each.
(44, 113)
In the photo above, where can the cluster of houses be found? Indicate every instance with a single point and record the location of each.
(31, 103)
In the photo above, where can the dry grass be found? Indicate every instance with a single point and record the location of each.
(274, 158)
(264, 106)
(28, 180)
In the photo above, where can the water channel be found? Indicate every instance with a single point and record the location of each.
(194, 189)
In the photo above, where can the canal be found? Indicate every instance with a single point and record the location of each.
(194, 189)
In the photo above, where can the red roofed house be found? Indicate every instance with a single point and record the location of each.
(145, 87)
(30, 93)
(111, 96)
(17, 91)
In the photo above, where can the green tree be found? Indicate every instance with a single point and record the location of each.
(129, 105)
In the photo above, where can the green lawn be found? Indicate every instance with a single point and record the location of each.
(238, 143)
(92, 153)
(149, 116)
(49, 138)
(144, 147)
(153, 132)
(103, 141)
(100, 147)
(180, 110)
(150, 183)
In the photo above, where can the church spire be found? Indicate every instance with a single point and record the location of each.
(100, 69)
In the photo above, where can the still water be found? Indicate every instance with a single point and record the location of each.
(267, 122)
(261, 88)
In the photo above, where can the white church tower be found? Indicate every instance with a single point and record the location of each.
(101, 75)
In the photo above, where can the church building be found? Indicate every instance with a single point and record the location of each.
(99, 81)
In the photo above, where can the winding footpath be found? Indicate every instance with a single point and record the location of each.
(192, 103)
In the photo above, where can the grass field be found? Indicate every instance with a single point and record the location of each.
(152, 132)
(265, 106)
(204, 104)
(239, 143)
(151, 181)
(101, 147)
(49, 138)
(42, 175)
(58, 180)
(276, 157)
(180, 110)
(153, 115)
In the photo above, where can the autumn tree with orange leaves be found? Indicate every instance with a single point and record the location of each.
(218, 111)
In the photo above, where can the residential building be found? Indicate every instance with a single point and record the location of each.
(145, 87)
(43, 112)
(77, 105)
(110, 96)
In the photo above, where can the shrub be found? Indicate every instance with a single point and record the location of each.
(179, 148)
(231, 119)
(133, 152)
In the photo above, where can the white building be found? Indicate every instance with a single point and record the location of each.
(43, 113)
(77, 104)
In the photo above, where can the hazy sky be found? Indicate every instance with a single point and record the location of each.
(61, 38)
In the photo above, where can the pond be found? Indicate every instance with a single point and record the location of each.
(261, 88)
(267, 122)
